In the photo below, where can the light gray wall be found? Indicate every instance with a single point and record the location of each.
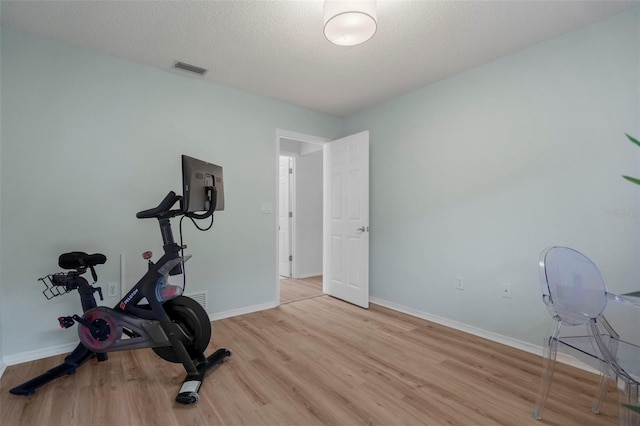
(89, 140)
(475, 175)
(309, 214)
(288, 146)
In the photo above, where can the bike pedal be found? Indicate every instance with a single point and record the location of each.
(66, 322)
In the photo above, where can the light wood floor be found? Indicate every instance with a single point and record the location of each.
(292, 289)
(312, 362)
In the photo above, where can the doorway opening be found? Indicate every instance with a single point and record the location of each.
(342, 229)
(299, 216)
(294, 290)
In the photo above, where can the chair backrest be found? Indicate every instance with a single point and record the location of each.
(572, 286)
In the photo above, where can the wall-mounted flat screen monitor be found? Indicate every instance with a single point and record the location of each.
(197, 178)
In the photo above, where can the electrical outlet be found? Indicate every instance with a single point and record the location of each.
(460, 283)
(506, 291)
(112, 290)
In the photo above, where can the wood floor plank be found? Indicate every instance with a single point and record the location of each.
(292, 289)
(316, 361)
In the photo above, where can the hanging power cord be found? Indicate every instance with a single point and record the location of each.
(184, 271)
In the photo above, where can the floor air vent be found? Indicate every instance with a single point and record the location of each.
(200, 297)
(191, 68)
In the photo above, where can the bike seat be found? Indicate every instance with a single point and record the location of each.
(79, 259)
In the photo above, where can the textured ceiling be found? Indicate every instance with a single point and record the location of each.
(277, 49)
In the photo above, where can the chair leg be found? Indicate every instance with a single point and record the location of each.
(634, 399)
(548, 362)
(602, 389)
(628, 394)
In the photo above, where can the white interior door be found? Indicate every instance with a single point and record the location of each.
(284, 220)
(346, 219)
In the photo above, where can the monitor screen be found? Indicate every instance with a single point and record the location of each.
(197, 176)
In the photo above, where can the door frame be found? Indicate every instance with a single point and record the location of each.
(290, 208)
(299, 137)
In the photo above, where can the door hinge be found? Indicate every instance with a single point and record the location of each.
(290, 171)
(290, 258)
(290, 214)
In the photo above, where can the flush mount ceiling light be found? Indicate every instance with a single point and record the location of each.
(348, 23)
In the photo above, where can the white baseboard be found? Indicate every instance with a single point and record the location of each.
(27, 356)
(485, 334)
(242, 311)
(315, 274)
(3, 367)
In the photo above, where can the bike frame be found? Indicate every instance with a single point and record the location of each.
(145, 288)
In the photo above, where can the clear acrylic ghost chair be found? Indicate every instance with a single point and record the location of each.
(620, 349)
(575, 294)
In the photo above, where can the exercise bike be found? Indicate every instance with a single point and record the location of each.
(153, 314)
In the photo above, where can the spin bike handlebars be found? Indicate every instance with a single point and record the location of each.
(163, 210)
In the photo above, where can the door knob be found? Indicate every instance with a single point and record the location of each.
(361, 229)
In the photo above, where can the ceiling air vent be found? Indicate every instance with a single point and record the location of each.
(191, 68)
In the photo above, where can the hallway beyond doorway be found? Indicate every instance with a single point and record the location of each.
(292, 289)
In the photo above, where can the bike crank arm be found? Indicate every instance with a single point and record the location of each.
(66, 322)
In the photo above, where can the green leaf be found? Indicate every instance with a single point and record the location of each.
(632, 139)
(632, 179)
(632, 408)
